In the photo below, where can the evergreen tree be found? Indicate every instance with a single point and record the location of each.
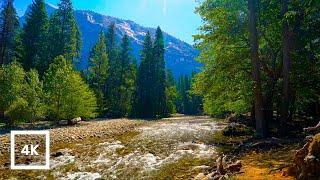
(151, 79)
(189, 102)
(64, 34)
(127, 78)
(111, 42)
(8, 30)
(113, 82)
(159, 76)
(35, 36)
(144, 95)
(67, 94)
(98, 71)
(171, 93)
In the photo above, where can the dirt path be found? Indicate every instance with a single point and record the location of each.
(126, 149)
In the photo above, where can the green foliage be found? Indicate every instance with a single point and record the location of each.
(11, 92)
(143, 106)
(67, 95)
(64, 34)
(34, 97)
(21, 94)
(188, 102)
(171, 93)
(160, 75)
(172, 96)
(225, 81)
(121, 81)
(98, 71)
(9, 26)
(112, 92)
(113, 81)
(35, 36)
(151, 92)
(127, 78)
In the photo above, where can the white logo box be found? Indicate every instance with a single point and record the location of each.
(31, 167)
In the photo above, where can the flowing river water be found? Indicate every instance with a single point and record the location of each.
(176, 147)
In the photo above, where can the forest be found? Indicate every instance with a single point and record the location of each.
(40, 81)
(260, 57)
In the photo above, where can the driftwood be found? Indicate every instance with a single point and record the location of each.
(224, 169)
(315, 129)
(234, 167)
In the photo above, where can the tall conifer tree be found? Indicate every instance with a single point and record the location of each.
(113, 82)
(160, 75)
(64, 34)
(34, 37)
(144, 96)
(98, 70)
(8, 30)
(127, 77)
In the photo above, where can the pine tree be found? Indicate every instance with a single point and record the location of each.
(113, 82)
(127, 78)
(144, 93)
(111, 42)
(35, 36)
(160, 75)
(189, 102)
(64, 34)
(171, 93)
(98, 70)
(68, 96)
(8, 31)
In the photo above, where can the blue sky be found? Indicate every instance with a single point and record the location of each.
(176, 17)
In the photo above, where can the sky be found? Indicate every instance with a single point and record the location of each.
(175, 17)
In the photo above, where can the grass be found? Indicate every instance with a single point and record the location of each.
(267, 165)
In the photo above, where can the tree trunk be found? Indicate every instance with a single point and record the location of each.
(285, 104)
(253, 36)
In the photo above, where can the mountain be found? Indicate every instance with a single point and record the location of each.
(179, 56)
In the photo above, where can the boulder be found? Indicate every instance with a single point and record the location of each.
(200, 176)
(231, 119)
(238, 118)
(74, 121)
(63, 122)
(307, 160)
(236, 129)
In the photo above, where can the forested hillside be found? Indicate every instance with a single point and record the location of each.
(179, 56)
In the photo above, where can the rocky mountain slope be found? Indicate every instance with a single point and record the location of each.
(180, 56)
